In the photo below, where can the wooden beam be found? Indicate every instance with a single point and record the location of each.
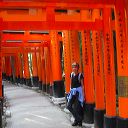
(24, 37)
(69, 4)
(10, 50)
(60, 25)
(44, 44)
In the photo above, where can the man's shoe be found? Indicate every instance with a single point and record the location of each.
(75, 123)
(80, 124)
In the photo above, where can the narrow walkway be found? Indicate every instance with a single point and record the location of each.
(33, 110)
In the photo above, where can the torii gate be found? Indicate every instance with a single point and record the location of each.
(12, 44)
(48, 19)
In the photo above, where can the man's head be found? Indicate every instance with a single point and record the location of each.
(75, 66)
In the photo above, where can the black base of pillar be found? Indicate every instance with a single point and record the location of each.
(36, 81)
(122, 122)
(44, 87)
(99, 118)
(58, 89)
(11, 79)
(66, 99)
(21, 80)
(2, 102)
(3, 75)
(51, 90)
(8, 78)
(24, 80)
(2, 90)
(18, 79)
(28, 82)
(109, 122)
(89, 113)
(1, 109)
(1, 105)
(48, 88)
(40, 85)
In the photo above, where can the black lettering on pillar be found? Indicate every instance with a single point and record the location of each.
(55, 43)
(107, 38)
(86, 48)
(121, 39)
(65, 49)
(72, 46)
(97, 53)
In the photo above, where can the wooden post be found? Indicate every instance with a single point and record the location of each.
(109, 71)
(26, 70)
(87, 69)
(98, 74)
(20, 59)
(0, 65)
(47, 69)
(50, 71)
(39, 62)
(43, 71)
(3, 68)
(122, 62)
(1, 93)
(34, 71)
(8, 67)
(18, 68)
(74, 47)
(67, 61)
(58, 87)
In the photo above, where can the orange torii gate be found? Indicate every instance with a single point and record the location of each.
(12, 43)
(25, 46)
(51, 20)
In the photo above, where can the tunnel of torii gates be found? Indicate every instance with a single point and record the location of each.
(98, 27)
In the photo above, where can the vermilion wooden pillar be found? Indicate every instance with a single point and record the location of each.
(18, 68)
(42, 82)
(17, 72)
(58, 87)
(42, 54)
(26, 69)
(39, 69)
(34, 70)
(3, 68)
(74, 47)
(67, 60)
(122, 64)
(0, 67)
(8, 67)
(1, 93)
(13, 68)
(50, 71)
(98, 74)
(10, 70)
(43, 72)
(87, 69)
(109, 71)
(47, 68)
(20, 60)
